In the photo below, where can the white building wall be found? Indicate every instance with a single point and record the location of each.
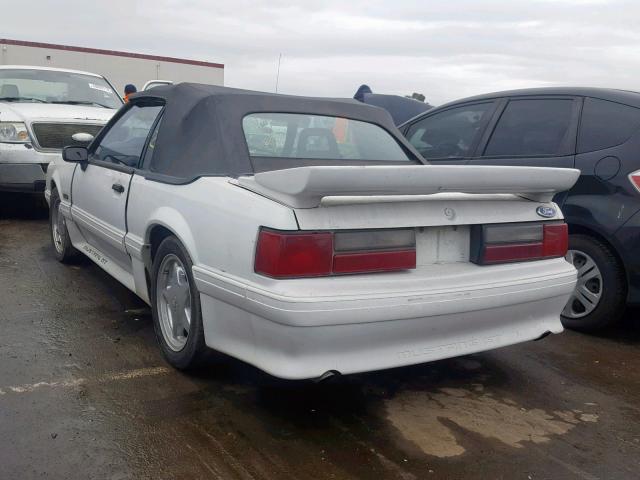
(119, 70)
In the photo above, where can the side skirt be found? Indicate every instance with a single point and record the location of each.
(113, 269)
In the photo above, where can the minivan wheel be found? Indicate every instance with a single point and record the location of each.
(65, 252)
(175, 302)
(600, 295)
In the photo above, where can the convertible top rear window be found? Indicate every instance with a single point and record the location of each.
(307, 136)
(206, 129)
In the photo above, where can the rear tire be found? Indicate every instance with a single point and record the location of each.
(175, 303)
(599, 300)
(64, 251)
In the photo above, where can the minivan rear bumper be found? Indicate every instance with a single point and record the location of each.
(304, 337)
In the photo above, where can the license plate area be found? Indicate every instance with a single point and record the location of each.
(447, 244)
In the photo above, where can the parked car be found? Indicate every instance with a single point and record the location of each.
(40, 108)
(594, 130)
(310, 254)
(156, 83)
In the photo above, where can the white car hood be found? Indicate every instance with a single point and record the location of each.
(28, 112)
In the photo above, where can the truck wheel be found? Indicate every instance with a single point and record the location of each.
(65, 252)
(175, 302)
(599, 299)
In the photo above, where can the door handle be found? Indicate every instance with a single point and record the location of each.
(117, 187)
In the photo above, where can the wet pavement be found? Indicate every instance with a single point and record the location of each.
(84, 393)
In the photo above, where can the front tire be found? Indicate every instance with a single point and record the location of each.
(599, 300)
(175, 302)
(64, 251)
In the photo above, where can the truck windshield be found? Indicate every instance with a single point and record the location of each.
(50, 86)
(304, 136)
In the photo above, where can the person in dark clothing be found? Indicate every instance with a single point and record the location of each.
(361, 92)
(400, 108)
(129, 89)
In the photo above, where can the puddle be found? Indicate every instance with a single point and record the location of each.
(420, 416)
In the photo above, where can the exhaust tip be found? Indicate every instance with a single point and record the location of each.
(544, 335)
(326, 376)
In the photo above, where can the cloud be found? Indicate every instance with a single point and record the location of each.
(445, 50)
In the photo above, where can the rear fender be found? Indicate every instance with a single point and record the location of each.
(172, 220)
(612, 242)
(140, 248)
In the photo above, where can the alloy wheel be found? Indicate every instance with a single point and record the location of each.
(174, 302)
(58, 228)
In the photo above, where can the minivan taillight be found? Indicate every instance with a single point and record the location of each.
(518, 242)
(285, 254)
(634, 178)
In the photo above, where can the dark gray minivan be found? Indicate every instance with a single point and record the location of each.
(594, 130)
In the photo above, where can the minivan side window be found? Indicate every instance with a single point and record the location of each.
(449, 134)
(124, 141)
(532, 127)
(606, 124)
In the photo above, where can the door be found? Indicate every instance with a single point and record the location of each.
(532, 131)
(100, 191)
(449, 137)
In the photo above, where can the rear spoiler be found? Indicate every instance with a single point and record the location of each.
(305, 187)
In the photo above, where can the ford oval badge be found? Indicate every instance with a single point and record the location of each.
(546, 212)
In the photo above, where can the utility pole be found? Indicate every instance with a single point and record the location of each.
(278, 74)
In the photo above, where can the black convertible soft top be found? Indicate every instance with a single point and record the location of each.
(201, 132)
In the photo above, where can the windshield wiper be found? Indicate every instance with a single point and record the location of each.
(80, 102)
(17, 99)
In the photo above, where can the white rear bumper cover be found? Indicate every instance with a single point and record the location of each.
(303, 337)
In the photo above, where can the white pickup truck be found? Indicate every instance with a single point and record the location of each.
(306, 236)
(40, 109)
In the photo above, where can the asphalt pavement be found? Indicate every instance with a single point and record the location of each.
(85, 393)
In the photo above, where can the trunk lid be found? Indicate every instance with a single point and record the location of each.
(441, 203)
(306, 187)
(361, 197)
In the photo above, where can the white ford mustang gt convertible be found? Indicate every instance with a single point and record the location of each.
(307, 237)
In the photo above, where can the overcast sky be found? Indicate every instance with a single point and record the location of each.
(445, 50)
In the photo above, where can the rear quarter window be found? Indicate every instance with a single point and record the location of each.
(532, 127)
(606, 124)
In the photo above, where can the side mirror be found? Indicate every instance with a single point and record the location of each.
(75, 154)
(82, 137)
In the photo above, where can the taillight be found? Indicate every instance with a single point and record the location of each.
(635, 179)
(374, 261)
(314, 254)
(556, 240)
(518, 242)
(294, 254)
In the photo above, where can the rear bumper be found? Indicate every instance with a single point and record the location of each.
(304, 337)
